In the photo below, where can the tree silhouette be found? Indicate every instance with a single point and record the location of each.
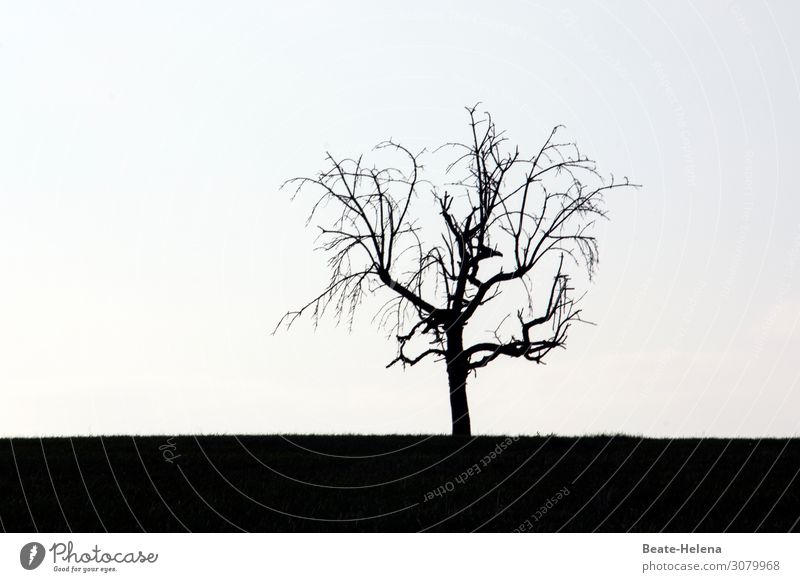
(506, 223)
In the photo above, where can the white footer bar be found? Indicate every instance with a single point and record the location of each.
(389, 557)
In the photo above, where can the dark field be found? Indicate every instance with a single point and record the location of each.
(398, 483)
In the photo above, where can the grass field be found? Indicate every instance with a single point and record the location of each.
(398, 483)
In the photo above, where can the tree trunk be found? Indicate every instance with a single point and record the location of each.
(457, 370)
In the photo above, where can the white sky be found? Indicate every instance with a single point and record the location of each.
(146, 253)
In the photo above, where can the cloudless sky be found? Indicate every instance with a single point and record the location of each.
(146, 251)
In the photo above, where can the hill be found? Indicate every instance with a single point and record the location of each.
(398, 483)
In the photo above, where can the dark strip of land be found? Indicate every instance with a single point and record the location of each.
(398, 483)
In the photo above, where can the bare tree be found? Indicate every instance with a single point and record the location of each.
(504, 223)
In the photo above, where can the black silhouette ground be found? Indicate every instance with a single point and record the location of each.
(398, 483)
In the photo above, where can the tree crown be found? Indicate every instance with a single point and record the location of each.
(503, 219)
